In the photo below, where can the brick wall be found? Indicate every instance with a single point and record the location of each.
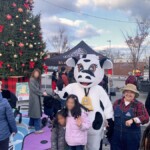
(123, 68)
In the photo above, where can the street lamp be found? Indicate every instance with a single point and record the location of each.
(109, 41)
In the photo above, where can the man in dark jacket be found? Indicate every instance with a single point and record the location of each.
(7, 123)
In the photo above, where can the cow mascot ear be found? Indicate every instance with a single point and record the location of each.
(71, 62)
(106, 63)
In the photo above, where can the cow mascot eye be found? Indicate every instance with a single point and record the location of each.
(93, 67)
(80, 67)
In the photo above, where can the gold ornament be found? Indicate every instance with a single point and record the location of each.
(30, 46)
(20, 10)
(24, 23)
(33, 26)
(15, 56)
(35, 59)
(86, 102)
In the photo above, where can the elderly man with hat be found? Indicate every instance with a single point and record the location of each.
(129, 114)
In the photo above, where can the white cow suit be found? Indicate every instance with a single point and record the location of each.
(88, 74)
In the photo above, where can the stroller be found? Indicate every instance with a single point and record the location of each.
(12, 99)
(51, 106)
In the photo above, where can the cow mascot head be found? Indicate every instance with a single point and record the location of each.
(89, 69)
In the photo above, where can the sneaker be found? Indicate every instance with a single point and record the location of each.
(39, 132)
(31, 127)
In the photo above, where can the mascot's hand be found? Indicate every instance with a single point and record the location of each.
(110, 129)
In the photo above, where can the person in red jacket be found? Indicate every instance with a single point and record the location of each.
(64, 76)
(54, 81)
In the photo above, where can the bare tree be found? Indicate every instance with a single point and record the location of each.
(136, 42)
(113, 55)
(60, 40)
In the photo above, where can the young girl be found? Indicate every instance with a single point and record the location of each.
(77, 124)
(58, 131)
(146, 139)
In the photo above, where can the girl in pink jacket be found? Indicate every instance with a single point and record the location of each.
(77, 124)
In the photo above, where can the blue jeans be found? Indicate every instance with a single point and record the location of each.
(36, 122)
(80, 147)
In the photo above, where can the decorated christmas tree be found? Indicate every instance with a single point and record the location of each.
(21, 45)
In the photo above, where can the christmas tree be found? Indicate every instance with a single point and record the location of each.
(21, 45)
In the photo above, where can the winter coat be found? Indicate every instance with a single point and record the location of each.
(7, 120)
(35, 108)
(58, 138)
(77, 135)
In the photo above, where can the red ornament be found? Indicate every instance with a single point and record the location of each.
(45, 68)
(23, 65)
(20, 52)
(20, 29)
(21, 44)
(31, 64)
(45, 57)
(26, 5)
(1, 28)
(40, 35)
(31, 33)
(1, 64)
(9, 17)
(8, 65)
(20, 10)
(14, 4)
(6, 44)
(11, 70)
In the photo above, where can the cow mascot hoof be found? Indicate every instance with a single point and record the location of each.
(89, 72)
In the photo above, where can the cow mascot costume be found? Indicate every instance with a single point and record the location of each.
(89, 72)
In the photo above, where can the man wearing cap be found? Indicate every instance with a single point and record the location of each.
(129, 114)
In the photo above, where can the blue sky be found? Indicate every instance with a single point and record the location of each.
(96, 32)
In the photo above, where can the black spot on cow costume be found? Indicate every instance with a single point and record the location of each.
(89, 72)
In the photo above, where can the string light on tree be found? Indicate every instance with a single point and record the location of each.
(0, 54)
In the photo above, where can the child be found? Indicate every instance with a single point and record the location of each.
(58, 131)
(146, 139)
(77, 124)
